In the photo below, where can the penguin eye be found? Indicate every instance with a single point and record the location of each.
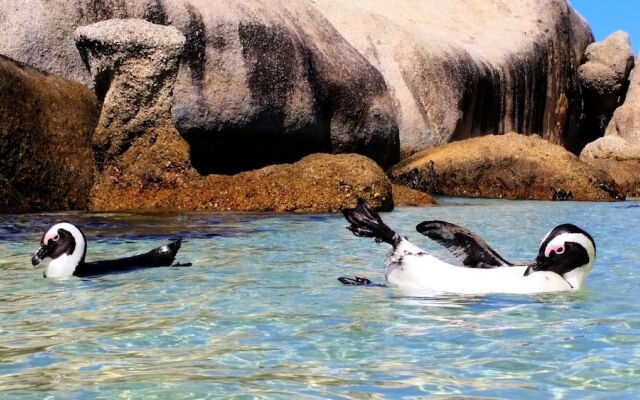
(56, 238)
(560, 250)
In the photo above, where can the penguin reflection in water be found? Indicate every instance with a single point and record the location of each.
(66, 246)
(564, 260)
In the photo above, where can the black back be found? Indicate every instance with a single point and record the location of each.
(465, 245)
(158, 257)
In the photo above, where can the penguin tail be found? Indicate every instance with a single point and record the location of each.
(165, 255)
(365, 222)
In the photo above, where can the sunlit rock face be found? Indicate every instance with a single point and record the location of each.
(459, 68)
(626, 120)
(268, 82)
(604, 79)
(259, 82)
(143, 163)
(509, 166)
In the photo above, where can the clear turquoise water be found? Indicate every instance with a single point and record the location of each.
(260, 313)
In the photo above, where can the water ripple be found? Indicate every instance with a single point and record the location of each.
(260, 313)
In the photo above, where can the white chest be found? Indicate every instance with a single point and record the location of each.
(416, 270)
(61, 267)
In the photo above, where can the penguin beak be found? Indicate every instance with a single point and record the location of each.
(43, 252)
(540, 264)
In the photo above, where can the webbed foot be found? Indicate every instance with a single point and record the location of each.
(358, 281)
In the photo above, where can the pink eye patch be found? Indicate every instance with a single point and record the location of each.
(50, 236)
(556, 248)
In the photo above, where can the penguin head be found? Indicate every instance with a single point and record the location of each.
(568, 251)
(65, 245)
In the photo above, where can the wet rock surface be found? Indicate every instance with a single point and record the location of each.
(404, 196)
(625, 173)
(317, 183)
(508, 166)
(46, 123)
(619, 158)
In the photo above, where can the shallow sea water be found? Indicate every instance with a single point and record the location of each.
(260, 313)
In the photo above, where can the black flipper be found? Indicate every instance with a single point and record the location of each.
(465, 245)
(358, 281)
(365, 222)
(159, 257)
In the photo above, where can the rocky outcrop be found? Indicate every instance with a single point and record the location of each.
(259, 83)
(611, 147)
(134, 64)
(618, 152)
(143, 163)
(625, 173)
(46, 123)
(626, 119)
(604, 78)
(10, 200)
(404, 196)
(317, 183)
(266, 82)
(619, 158)
(506, 166)
(460, 68)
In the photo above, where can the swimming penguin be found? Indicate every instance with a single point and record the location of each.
(66, 245)
(564, 260)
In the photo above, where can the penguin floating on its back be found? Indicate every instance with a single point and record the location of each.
(564, 260)
(66, 246)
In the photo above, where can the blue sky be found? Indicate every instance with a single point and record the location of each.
(606, 17)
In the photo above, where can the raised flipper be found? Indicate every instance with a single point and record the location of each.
(465, 245)
(358, 281)
(161, 256)
(365, 222)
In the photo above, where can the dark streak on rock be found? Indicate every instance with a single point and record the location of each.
(268, 53)
(194, 54)
(91, 11)
(155, 12)
(425, 182)
(561, 195)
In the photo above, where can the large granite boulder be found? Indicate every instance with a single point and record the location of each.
(143, 163)
(259, 83)
(604, 78)
(265, 82)
(626, 118)
(464, 68)
(134, 64)
(611, 147)
(625, 173)
(46, 124)
(507, 166)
